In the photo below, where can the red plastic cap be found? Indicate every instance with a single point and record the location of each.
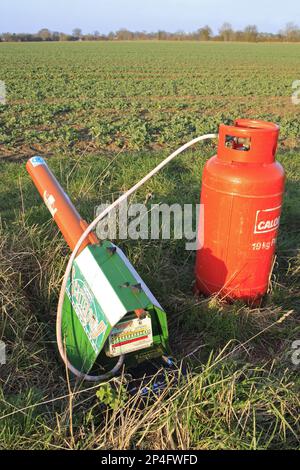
(248, 141)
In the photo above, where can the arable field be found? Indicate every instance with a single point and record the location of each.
(139, 95)
(103, 115)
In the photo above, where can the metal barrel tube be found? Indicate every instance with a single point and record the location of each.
(66, 216)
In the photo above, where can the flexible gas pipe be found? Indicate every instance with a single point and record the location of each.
(92, 226)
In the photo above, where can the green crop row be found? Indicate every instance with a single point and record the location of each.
(138, 95)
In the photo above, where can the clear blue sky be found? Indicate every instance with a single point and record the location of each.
(172, 15)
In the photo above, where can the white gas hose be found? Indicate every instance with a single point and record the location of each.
(92, 226)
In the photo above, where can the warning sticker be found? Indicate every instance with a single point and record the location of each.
(49, 200)
(129, 336)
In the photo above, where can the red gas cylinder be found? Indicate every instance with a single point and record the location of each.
(242, 193)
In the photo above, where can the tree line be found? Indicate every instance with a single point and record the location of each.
(290, 33)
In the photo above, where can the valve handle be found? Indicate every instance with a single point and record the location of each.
(260, 139)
